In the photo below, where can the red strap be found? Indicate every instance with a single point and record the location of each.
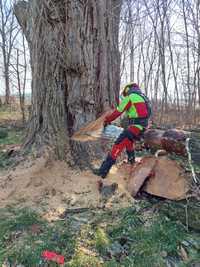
(127, 106)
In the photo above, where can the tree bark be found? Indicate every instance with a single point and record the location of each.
(75, 66)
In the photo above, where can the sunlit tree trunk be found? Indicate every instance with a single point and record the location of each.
(75, 66)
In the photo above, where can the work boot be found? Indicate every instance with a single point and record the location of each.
(131, 156)
(105, 167)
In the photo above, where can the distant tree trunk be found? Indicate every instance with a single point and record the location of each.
(8, 34)
(75, 66)
(7, 85)
(5, 58)
(172, 64)
(20, 86)
(18, 69)
(188, 58)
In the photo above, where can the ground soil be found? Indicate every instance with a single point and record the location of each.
(45, 184)
(49, 185)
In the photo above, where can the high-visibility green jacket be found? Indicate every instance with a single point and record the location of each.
(135, 107)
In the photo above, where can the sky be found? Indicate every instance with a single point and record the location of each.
(178, 27)
(7, 4)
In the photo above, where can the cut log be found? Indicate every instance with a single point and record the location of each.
(169, 180)
(140, 173)
(161, 177)
(173, 141)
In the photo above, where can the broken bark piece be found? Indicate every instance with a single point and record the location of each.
(169, 181)
(140, 173)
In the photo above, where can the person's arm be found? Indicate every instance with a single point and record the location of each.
(125, 104)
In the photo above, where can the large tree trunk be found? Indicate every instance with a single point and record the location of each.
(75, 66)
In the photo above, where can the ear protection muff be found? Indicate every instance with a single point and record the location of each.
(125, 91)
(128, 87)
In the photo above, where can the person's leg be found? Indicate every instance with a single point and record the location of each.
(105, 166)
(130, 151)
(130, 148)
(123, 141)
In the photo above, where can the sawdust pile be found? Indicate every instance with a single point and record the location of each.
(51, 185)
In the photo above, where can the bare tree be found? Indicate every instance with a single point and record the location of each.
(166, 62)
(8, 34)
(174, 72)
(194, 9)
(187, 54)
(19, 68)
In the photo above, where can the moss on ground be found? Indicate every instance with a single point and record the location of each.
(125, 237)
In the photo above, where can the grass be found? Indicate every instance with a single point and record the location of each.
(8, 136)
(82, 260)
(9, 114)
(120, 238)
(115, 238)
(102, 241)
(21, 244)
(146, 244)
(9, 132)
(11, 136)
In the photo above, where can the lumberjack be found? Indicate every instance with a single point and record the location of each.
(138, 110)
